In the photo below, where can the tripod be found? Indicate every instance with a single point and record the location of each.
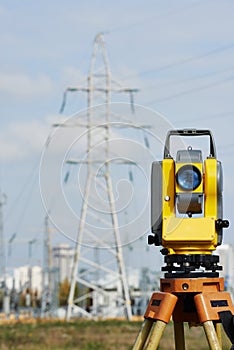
(202, 301)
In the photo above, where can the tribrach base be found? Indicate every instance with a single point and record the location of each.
(200, 301)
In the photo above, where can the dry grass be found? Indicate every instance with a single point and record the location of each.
(89, 335)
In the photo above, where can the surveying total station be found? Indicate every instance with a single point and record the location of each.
(187, 221)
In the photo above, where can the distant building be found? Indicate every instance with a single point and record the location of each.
(28, 277)
(107, 303)
(226, 255)
(62, 256)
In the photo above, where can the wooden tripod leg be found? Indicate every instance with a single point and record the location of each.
(219, 333)
(155, 335)
(209, 306)
(143, 334)
(179, 335)
(157, 315)
(211, 335)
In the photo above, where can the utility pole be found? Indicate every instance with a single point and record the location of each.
(48, 251)
(30, 245)
(2, 244)
(6, 297)
(10, 243)
(99, 88)
(47, 267)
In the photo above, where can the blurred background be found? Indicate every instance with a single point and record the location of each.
(179, 58)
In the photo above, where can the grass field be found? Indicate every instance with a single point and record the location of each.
(89, 335)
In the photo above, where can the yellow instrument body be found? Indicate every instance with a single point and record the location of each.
(189, 235)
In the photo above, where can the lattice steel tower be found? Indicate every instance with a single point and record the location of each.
(89, 271)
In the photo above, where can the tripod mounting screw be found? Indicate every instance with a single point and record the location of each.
(185, 286)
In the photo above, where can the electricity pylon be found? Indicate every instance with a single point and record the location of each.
(88, 270)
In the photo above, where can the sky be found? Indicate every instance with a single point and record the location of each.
(178, 54)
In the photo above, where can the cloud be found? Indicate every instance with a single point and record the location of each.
(73, 76)
(22, 140)
(23, 86)
(2, 11)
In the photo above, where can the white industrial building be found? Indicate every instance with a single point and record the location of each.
(62, 260)
(28, 276)
(141, 281)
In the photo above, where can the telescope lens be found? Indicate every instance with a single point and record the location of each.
(188, 177)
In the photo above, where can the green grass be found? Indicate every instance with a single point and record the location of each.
(90, 335)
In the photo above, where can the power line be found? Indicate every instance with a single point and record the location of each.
(169, 12)
(190, 91)
(186, 60)
(209, 117)
(29, 185)
(26, 204)
(168, 84)
(30, 178)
